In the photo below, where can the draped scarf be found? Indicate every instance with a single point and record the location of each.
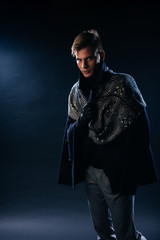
(117, 101)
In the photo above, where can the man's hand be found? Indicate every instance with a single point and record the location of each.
(86, 115)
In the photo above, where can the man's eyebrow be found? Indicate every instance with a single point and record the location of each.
(91, 56)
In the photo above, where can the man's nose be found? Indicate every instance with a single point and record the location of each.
(84, 64)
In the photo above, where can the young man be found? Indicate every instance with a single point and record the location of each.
(106, 141)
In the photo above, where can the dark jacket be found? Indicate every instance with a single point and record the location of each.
(127, 161)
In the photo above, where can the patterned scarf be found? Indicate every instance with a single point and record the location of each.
(117, 102)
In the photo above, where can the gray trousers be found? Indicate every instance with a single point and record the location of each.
(112, 214)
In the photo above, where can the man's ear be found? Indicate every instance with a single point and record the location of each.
(102, 55)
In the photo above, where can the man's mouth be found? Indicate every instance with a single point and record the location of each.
(86, 72)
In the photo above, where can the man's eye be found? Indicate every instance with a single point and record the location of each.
(78, 60)
(90, 58)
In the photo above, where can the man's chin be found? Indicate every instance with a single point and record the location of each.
(87, 75)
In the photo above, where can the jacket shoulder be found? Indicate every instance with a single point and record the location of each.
(74, 88)
(123, 77)
(126, 87)
(73, 105)
(125, 80)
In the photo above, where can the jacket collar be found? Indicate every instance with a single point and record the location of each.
(86, 84)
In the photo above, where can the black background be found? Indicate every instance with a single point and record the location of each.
(36, 74)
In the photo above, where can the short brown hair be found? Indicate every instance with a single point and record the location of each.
(85, 39)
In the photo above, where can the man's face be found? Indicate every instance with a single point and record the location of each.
(87, 61)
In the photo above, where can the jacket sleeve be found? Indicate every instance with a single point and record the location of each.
(74, 131)
(142, 167)
(64, 175)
